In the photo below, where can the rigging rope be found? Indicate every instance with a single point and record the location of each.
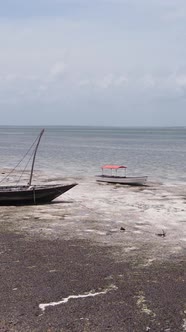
(25, 168)
(4, 178)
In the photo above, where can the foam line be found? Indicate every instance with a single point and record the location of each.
(43, 306)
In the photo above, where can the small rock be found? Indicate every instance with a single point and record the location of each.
(163, 234)
(122, 229)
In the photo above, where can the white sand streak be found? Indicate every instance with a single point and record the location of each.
(43, 306)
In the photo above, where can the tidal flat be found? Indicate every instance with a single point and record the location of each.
(99, 258)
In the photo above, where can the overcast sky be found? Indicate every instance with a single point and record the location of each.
(93, 62)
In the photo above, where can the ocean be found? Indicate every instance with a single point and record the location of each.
(159, 153)
(97, 211)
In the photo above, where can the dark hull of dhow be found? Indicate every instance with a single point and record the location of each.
(23, 195)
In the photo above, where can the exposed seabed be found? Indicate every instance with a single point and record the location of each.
(99, 258)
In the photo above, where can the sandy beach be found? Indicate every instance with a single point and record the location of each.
(105, 259)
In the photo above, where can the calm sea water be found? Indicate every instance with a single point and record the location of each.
(96, 211)
(159, 153)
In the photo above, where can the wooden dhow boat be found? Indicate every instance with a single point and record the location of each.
(113, 176)
(32, 194)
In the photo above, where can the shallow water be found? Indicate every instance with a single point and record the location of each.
(100, 212)
(159, 153)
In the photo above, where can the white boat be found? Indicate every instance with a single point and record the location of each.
(114, 177)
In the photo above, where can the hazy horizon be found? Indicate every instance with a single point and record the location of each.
(93, 126)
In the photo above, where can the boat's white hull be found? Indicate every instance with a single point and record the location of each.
(130, 180)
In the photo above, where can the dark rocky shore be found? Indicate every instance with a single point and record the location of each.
(117, 295)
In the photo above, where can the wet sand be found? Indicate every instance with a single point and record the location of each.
(77, 265)
(115, 296)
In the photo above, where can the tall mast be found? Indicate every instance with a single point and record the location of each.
(34, 157)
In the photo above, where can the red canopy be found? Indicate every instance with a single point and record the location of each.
(113, 167)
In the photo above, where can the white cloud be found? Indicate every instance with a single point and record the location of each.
(105, 82)
(181, 81)
(148, 81)
(85, 83)
(121, 81)
(58, 69)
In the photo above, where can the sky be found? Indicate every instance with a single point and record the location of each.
(93, 62)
